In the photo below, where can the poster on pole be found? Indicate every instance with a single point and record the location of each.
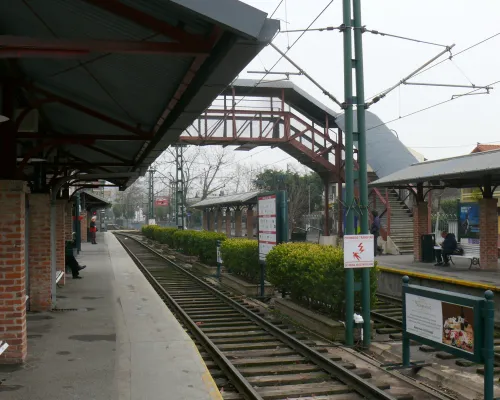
(359, 251)
(267, 217)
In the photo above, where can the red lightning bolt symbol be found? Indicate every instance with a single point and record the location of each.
(360, 247)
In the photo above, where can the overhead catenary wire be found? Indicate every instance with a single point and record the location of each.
(452, 56)
(432, 106)
(290, 47)
(364, 29)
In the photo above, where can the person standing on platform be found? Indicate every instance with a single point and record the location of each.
(375, 230)
(93, 230)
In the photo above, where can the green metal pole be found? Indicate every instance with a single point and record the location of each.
(489, 322)
(363, 173)
(406, 339)
(349, 167)
(218, 259)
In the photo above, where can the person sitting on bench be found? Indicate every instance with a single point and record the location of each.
(75, 267)
(448, 246)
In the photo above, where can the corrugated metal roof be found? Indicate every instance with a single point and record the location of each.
(463, 171)
(232, 200)
(133, 89)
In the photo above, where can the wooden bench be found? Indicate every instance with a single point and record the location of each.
(3, 347)
(59, 275)
(471, 252)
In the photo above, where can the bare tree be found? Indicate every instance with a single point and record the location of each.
(214, 175)
(244, 177)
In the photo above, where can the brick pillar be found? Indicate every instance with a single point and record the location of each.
(228, 222)
(250, 223)
(237, 223)
(205, 220)
(68, 221)
(420, 227)
(83, 226)
(219, 220)
(39, 252)
(12, 271)
(61, 237)
(211, 220)
(488, 234)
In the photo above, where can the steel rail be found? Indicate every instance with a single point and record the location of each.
(237, 379)
(337, 371)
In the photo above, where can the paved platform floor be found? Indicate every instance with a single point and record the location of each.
(113, 339)
(458, 271)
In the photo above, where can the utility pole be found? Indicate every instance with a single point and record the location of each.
(349, 166)
(151, 195)
(363, 173)
(179, 186)
(350, 25)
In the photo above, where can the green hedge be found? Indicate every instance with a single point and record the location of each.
(241, 257)
(314, 276)
(201, 244)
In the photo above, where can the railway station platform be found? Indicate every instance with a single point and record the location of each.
(456, 278)
(110, 337)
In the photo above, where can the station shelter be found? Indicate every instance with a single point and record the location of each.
(225, 214)
(473, 171)
(92, 91)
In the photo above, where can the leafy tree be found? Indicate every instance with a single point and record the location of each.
(449, 207)
(297, 187)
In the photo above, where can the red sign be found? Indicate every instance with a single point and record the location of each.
(161, 202)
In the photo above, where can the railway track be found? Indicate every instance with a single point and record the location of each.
(254, 358)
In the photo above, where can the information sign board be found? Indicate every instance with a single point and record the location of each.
(359, 251)
(267, 215)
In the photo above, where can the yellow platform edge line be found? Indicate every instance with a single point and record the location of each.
(458, 282)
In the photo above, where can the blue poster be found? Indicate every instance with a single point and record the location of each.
(468, 220)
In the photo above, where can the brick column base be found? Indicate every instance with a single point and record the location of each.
(237, 223)
(205, 220)
(61, 237)
(83, 226)
(68, 221)
(249, 223)
(219, 220)
(420, 227)
(211, 220)
(39, 252)
(228, 222)
(488, 234)
(12, 271)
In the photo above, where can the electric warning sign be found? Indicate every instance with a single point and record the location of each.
(359, 251)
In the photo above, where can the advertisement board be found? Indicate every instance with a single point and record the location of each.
(468, 220)
(161, 202)
(442, 322)
(447, 321)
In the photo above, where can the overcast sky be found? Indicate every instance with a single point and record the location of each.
(447, 130)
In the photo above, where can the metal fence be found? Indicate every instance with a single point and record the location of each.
(445, 223)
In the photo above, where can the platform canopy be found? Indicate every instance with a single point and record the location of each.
(106, 86)
(235, 200)
(471, 170)
(92, 201)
